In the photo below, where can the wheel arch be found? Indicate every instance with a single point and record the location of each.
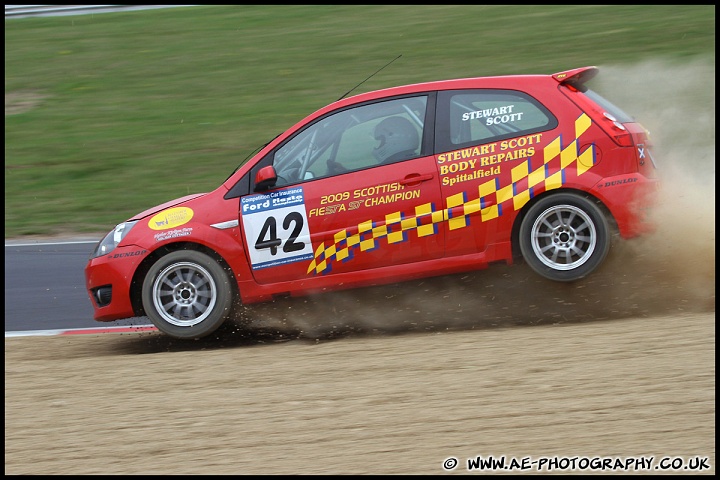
(515, 236)
(142, 270)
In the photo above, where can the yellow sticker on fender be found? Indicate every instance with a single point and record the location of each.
(171, 218)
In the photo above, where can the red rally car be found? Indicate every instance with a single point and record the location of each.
(407, 182)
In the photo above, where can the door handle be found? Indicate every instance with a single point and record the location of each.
(415, 178)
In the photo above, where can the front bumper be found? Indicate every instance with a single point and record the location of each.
(108, 281)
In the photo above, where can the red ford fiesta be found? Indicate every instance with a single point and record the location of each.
(412, 181)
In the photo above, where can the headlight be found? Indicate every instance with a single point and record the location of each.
(112, 239)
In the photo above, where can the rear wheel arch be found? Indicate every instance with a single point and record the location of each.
(515, 236)
(548, 198)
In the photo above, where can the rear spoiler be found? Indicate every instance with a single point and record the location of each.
(576, 77)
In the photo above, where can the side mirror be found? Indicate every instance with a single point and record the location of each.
(265, 178)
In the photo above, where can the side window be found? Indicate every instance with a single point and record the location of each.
(353, 139)
(480, 116)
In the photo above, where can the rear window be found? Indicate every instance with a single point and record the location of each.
(609, 107)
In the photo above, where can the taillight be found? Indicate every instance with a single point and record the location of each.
(617, 131)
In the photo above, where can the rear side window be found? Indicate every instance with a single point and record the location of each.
(470, 117)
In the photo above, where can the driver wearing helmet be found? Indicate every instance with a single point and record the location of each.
(398, 140)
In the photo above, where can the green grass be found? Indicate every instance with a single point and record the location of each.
(109, 114)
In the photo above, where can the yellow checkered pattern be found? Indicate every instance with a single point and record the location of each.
(491, 201)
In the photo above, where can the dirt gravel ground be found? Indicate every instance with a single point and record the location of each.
(402, 404)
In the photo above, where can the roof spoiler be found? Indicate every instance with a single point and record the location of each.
(577, 76)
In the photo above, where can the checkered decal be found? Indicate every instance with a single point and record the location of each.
(458, 208)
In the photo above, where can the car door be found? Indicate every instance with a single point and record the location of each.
(485, 142)
(346, 201)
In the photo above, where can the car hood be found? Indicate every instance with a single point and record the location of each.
(171, 203)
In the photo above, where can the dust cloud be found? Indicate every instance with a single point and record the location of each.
(671, 271)
(676, 103)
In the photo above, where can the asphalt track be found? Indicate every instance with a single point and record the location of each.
(45, 290)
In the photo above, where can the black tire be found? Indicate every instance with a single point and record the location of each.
(564, 237)
(187, 295)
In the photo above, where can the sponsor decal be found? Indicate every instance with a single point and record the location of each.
(171, 218)
(616, 183)
(276, 228)
(474, 163)
(129, 254)
(178, 232)
(494, 116)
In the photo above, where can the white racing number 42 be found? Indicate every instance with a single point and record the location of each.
(276, 228)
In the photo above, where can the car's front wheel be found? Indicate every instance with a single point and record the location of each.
(564, 237)
(187, 294)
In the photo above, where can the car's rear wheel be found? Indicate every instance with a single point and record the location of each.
(564, 237)
(187, 294)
